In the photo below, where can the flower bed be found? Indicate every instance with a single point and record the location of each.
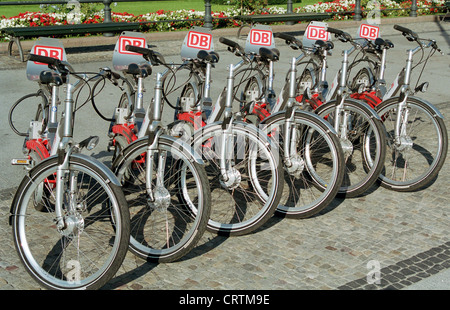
(185, 19)
(345, 8)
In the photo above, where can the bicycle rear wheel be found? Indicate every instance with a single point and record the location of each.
(88, 252)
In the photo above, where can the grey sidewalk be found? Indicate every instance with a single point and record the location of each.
(406, 234)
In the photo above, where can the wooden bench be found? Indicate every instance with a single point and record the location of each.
(249, 20)
(18, 33)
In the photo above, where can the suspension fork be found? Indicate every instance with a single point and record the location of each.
(155, 132)
(227, 125)
(289, 132)
(402, 113)
(64, 152)
(341, 117)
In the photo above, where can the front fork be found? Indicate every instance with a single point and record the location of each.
(152, 152)
(401, 139)
(342, 123)
(64, 153)
(292, 161)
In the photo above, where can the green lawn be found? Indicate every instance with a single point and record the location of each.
(135, 8)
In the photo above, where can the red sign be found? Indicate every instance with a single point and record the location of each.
(260, 37)
(199, 40)
(317, 33)
(369, 31)
(48, 51)
(124, 41)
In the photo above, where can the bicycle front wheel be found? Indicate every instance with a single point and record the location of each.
(416, 157)
(316, 160)
(250, 195)
(89, 250)
(364, 145)
(168, 225)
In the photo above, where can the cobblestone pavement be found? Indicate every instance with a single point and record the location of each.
(406, 235)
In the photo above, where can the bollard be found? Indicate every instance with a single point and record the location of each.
(358, 11)
(413, 12)
(289, 10)
(208, 18)
(107, 16)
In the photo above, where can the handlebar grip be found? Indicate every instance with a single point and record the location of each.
(335, 31)
(229, 42)
(137, 49)
(284, 36)
(406, 30)
(44, 59)
(288, 38)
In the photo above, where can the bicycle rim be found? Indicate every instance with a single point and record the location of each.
(416, 160)
(315, 176)
(247, 202)
(90, 250)
(166, 229)
(363, 146)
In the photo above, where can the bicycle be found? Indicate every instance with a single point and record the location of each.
(302, 173)
(69, 220)
(240, 161)
(41, 138)
(163, 180)
(417, 141)
(358, 127)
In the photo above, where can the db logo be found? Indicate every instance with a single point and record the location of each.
(369, 32)
(124, 41)
(199, 40)
(317, 33)
(48, 51)
(260, 37)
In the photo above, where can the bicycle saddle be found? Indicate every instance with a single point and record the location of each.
(50, 77)
(328, 45)
(380, 43)
(142, 70)
(211, 57)
(269, 54)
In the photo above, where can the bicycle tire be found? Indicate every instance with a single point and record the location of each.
(320, 169)
(371, 151)
(100, 237)
(150, 235)
(421, 139)
(243, 206)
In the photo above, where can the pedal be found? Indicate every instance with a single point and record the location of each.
(20, 162)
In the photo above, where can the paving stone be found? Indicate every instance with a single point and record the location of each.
(407, 233)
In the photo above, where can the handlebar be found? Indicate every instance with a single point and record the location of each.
(289, 39)
(230, 43)
(412, 36)
(62, 66)
(406, 31)
(44, 59)
(154, 57)
(343, 36)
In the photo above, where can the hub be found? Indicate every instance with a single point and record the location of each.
(162, 198)
(234, 179)
(73, 225)
(404, 144)
(347, 147)
(297, 166)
